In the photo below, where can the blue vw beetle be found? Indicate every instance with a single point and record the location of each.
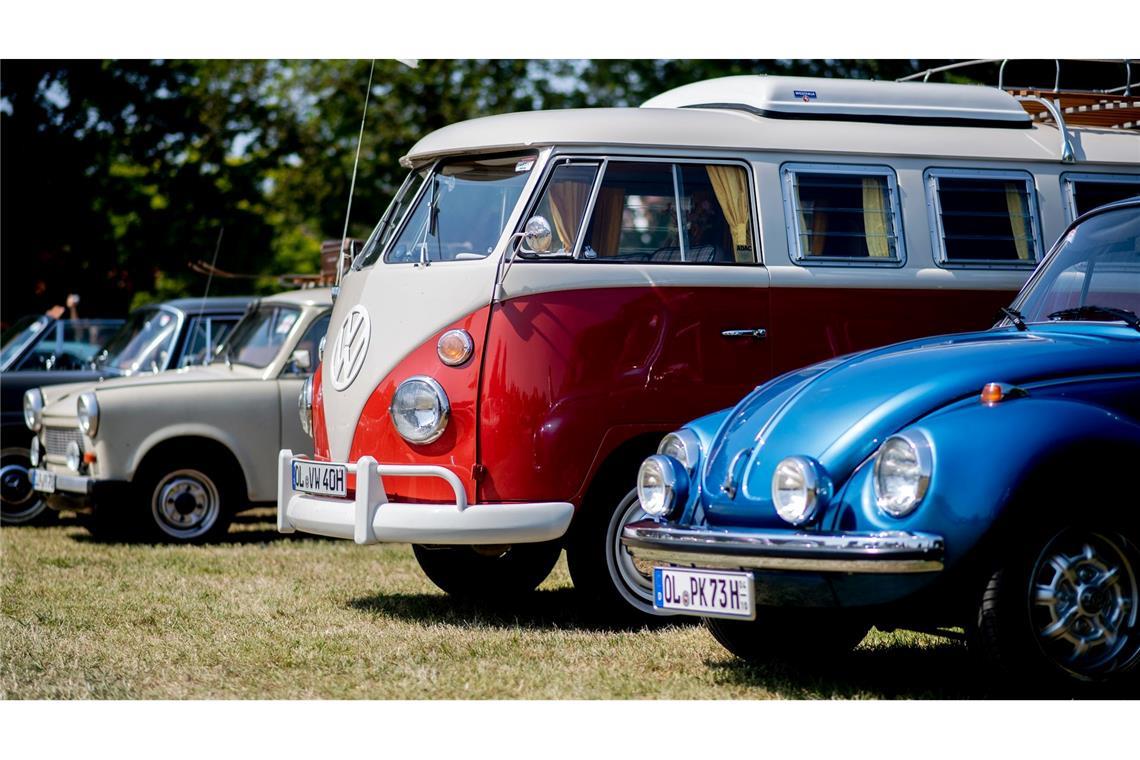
(989, 481)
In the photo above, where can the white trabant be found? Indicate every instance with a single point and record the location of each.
(176, 454)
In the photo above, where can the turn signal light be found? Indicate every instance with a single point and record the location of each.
(455, 347)
(88, 457)
(992, 393)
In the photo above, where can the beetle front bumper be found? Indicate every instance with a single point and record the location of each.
(369, 517)
(894, 552)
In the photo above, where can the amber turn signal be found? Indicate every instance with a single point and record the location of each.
(455, 347)
(88, 457)
(992, 393)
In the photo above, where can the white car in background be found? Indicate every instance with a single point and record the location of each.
(176, 455)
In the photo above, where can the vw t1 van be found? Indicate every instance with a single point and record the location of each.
(550, 293)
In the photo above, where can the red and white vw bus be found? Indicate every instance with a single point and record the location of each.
(550, 293)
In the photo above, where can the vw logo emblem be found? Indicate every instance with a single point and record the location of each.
(349, 349)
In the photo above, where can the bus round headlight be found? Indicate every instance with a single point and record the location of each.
(800, 488)
(33, 409)
(88, 409)
(662, 485)
(902, 473)
(419, 409)
(305, 406)
(74, 456)
(684, 446)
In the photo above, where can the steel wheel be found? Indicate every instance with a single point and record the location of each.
(1084, 601)
(631, 578)
(185, 504)
(19, 504)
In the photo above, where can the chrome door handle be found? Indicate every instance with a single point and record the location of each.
(759, 333)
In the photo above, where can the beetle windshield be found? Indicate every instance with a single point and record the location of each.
(1094, 274)
(258, 338)
(143, 344)
(461, 210)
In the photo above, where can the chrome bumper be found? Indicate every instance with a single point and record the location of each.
(72, 484)
(370, 518)
(883, 552)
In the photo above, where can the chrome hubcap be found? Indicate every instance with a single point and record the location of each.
(186, 504)
(1083, 603)
(635, 575)
(19, 501)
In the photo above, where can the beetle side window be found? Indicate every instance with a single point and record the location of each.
(1085, 192)
(665, 213)
(842, 214)
(984, 218)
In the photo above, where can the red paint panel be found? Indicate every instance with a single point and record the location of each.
(376, 436)
(570, 375)
(812, 324)
(320, 432)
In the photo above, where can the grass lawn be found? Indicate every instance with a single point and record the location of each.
(265, 616)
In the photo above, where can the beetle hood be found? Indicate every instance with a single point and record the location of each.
(839, 412)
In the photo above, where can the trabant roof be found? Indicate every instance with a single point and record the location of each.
(302, 297)
(725, 129)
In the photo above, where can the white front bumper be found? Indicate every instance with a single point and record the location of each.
(370, 518)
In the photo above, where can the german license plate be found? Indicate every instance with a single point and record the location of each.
(43, 481)
(709, 593)
(319, 478)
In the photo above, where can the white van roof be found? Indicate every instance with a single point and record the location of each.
(799, 114)
(851, 100)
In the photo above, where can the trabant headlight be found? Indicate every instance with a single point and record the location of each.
(74, 456)
(87, 407)
(662, 485)
(684, 446)
(419, 409)
(33, 409)
(902, 473)
(35, 453)
(305, 406)
(800, 489)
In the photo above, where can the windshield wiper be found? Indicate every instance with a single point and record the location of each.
(1091, 312)
(1013, 315)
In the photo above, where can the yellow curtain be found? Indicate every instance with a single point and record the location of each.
(1018, 218)
(813, 240)
(730, 185)
(875, 218)
(567, 202)
(606, 224)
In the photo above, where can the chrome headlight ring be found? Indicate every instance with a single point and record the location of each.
(74, 456)
(87, 408)
(902, 470)
(801, 489)
(684, 446)
(420, 410)
(662, 485)
(305, 406)
(33, 409)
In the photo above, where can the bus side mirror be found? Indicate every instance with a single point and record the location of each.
(537, 235)
(301, 361)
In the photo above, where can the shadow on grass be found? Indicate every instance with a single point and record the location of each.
(558, 609)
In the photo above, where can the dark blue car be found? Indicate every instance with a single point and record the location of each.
(986, 481)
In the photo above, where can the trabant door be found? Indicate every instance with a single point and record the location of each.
(647, 309)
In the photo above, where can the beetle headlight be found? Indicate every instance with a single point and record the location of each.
(902, 473)
(33, 409)
(662, 485)
(87, 407)
(684, 446)
(74, 456)
(305, 406)
(419, 409)
(800, 489)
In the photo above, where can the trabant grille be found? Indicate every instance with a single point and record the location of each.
(56, 440)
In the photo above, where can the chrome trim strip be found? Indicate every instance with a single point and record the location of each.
(878, 552)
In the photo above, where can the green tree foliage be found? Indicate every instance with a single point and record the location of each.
(118, 174)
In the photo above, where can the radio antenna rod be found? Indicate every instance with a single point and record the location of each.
(352, 184)
(209, 279)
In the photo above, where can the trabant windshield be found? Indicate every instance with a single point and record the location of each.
(461, 211)
(143, 344)
(258, 338)
(20, 335)
(1095, 267)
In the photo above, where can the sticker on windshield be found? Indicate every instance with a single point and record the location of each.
(806, 95)
(524, 165)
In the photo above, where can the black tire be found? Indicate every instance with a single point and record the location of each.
(805, 637)
(1020, 636)
(185, 498)
(602, 569)
(486, 573)
(19, 504)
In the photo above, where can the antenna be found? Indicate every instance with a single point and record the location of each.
(352, 184)
(209, 279)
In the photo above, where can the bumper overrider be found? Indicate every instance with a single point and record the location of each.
(785, 550)
(369, 517)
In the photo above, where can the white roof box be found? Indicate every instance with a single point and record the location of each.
(851, 100)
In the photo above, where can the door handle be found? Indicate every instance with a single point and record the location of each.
(759, 333)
